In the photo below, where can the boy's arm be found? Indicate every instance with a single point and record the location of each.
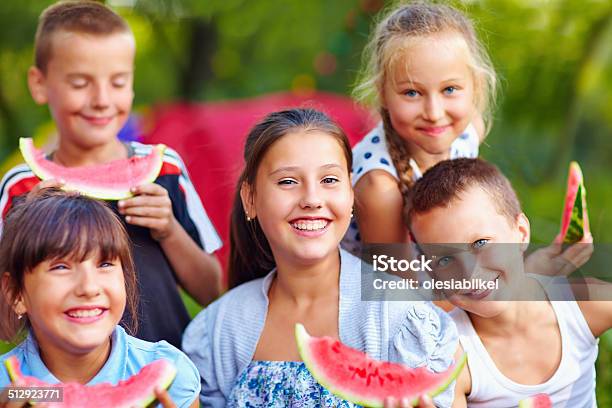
(598, 313)
(198, 272)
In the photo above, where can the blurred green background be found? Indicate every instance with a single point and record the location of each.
(554, 58)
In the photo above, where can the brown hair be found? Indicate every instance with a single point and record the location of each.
(385, 49)
(250, 253)
(445, 181)
(54, 224)
(80, 16)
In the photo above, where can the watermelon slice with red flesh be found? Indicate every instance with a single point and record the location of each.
(575, 220)
(536, 401)
(109, 181)
(136, 391)
(355, 377)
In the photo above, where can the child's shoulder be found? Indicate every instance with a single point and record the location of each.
(229, 323)
(372, 153)
(18, 180)
(235, 304)
(141, 352)
(186, 385)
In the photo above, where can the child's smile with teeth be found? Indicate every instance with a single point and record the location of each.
(310, 225)
(85, 312)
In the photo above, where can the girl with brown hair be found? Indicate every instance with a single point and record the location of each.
(67, 277)
(292, 207)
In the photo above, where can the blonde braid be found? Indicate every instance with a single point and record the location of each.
(400, 157)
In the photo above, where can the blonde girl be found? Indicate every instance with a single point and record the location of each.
(432, 82)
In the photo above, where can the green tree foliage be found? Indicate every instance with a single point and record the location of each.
(554, 58)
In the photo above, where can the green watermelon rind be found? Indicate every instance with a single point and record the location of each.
(578, 223)
(28, 151)
(169, 374)
(302, 338)
(165, 379)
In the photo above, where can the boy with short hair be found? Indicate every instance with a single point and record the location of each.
(516, 349)
(84, 63)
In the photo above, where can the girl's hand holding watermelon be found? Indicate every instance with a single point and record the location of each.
(151, 208)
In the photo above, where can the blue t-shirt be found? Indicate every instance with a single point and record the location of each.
(128, 355)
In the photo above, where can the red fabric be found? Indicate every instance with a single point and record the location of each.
(210, 138)
(23, 186)
(169, 169)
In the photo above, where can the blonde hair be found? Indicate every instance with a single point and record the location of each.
(412, 21)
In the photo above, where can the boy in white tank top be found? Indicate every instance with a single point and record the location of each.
(516, 349)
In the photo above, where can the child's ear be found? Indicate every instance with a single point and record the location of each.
(16, 302)
(524, 230)
(247, 197)
(37, 85)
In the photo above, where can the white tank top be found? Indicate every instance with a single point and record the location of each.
(372, 153)
(571, 386)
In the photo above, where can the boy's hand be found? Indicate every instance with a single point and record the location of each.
(150, 208)
(45, 184)
(554, 261)
(424, 402)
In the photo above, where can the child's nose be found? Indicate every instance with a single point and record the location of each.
(434, 108)
(87, 282)
(101, 96)
(311, 198)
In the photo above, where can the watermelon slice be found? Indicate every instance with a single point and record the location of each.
(136, 391)
(536, 401)
(575, 220)
(355, 377)
(109, 181)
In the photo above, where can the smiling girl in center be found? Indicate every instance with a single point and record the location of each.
(292, 207)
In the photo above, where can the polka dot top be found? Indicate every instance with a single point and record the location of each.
(372, 153)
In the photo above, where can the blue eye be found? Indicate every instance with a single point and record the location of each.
(478, 244)
(59, 267)
(444, 261)
(411, 93)
(450, 90)
(106, 264)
